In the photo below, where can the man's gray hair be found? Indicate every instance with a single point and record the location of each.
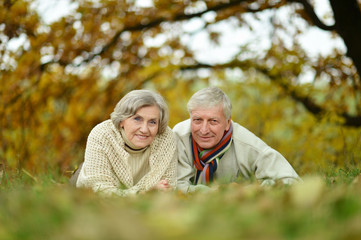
(136, 99)
(210, 97)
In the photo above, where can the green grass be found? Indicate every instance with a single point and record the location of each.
(327, 206)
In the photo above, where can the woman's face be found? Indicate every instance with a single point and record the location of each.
(141, 128)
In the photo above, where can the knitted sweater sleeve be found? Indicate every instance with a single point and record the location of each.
(171, 172)
(163, 161)
(97, 172)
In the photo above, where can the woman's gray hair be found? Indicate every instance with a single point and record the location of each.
(136, 99)
(210, 97)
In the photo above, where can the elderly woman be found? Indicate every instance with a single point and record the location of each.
(134, 151)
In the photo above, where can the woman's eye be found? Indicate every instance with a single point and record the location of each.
(153, 122)
(137, 118)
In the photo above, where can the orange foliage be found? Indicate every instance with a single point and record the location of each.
(67, 77)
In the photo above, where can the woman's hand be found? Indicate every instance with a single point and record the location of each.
(162, 185)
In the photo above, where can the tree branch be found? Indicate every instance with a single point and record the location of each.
(312, 15)
(307, 102)
(151, 24)
(156, 22)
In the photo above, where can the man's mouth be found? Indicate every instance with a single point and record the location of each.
(205, 137)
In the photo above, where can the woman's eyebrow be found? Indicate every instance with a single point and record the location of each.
(154, 119)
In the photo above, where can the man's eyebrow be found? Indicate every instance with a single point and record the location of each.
(213, 118)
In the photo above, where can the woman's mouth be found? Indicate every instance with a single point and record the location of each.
(142, 137)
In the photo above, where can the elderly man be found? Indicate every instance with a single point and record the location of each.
(211, 147)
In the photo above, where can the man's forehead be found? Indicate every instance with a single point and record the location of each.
(209, 112)
(208, 108)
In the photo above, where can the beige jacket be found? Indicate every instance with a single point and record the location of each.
(248, 156)
(106, 168)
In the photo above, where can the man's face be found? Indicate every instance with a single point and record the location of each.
(208, 126)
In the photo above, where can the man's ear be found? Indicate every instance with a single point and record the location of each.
(228, 124)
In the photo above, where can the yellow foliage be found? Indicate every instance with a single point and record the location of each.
(48, 107)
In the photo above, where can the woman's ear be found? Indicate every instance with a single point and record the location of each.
(121, 124)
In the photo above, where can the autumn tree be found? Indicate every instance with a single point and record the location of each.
(58, 80)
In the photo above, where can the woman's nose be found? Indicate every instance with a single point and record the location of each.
(144, 128)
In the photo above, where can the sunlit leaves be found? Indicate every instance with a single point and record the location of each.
(17, 18)
(63, 78)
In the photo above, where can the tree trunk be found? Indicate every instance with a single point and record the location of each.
(347, 16)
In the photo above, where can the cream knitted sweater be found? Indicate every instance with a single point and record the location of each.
(106, 167)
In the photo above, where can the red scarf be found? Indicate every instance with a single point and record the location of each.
(207, 160)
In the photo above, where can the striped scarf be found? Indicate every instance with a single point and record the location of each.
(207, 160)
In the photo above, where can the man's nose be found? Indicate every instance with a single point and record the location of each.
(204, 128)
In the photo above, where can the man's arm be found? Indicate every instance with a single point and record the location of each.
(186, 170)
(271, 166)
